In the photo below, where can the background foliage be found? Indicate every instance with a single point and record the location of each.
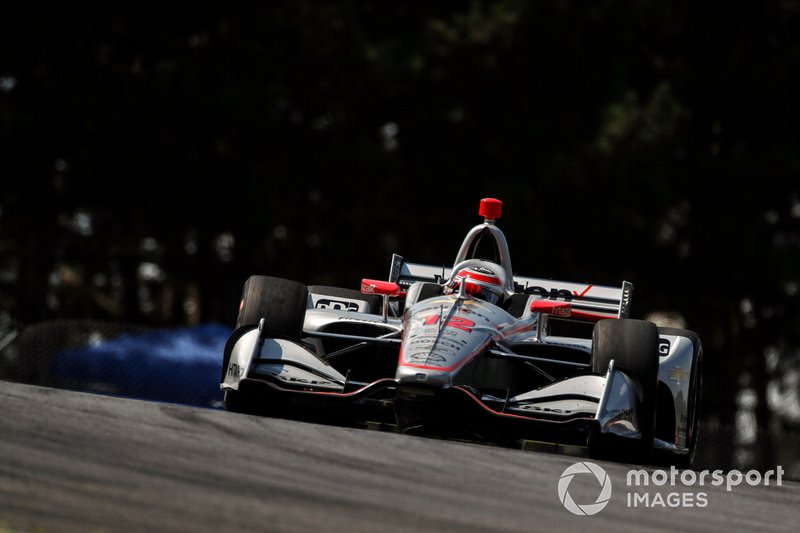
(152, 156)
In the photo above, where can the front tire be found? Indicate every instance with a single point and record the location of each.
(280, 302)
(633, 345)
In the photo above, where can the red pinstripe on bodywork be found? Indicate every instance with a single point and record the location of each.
(509, 415)
(357, 392)
(590, 316)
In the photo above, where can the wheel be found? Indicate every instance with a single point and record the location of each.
(250, 401)
(695, 392)
(235, 402)
(280, 302)
(373, 300)
(282, 305)
(633, 345)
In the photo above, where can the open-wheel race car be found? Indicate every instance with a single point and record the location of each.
(471, 351)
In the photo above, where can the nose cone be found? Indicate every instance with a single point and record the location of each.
(407, 375)
(442, 336)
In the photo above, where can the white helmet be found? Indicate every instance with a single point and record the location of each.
(483, 280)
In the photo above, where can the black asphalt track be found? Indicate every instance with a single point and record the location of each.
(73, 461)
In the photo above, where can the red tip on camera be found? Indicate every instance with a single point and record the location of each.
(491, 208)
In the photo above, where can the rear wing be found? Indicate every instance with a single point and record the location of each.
(589, 302)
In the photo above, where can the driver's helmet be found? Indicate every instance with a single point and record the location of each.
(481, 282)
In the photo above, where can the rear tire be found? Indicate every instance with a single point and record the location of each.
(633, 345)
(280, 302)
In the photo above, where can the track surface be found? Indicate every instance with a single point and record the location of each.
(81, 462)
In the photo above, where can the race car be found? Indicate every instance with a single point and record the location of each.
(471, 351)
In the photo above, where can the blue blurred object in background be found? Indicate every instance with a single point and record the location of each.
(180, 365)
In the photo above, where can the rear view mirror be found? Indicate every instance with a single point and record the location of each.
(385, 288)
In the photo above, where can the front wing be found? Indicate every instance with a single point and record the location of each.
(281, 377)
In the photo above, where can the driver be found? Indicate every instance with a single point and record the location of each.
(484, 282)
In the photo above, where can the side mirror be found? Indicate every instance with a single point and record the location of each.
(550, 307)
(384, 288)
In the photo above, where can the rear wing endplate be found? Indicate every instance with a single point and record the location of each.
(589, 302)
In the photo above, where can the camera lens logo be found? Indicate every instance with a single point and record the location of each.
(602, 479)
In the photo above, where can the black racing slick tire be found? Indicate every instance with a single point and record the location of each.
(633, 345)
(280, 302)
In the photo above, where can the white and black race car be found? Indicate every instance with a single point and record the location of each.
(471, 351)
